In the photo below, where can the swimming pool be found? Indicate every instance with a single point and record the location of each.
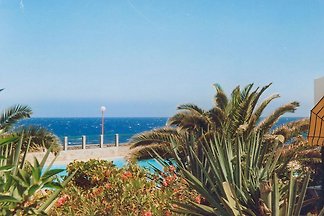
(120, 162)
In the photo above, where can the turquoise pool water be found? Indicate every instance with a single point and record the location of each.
(120, 162)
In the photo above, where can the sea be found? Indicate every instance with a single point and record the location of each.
(75, 128)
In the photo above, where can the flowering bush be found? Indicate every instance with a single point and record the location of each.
(92, 173)
(100, 188)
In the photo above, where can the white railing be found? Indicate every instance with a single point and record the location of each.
(84, 142)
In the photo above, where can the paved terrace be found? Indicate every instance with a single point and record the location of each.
(93, 152)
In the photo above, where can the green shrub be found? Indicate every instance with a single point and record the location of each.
(92, 173)
(26, 189)
(100, 188)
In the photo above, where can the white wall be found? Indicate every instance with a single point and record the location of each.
(319, 89)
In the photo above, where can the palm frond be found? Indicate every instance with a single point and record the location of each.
(157, 136)
(193, 118)
(217, 116)
(145, 152)
(220, 98)
(268, 122)
(238, 113)
(235, 96)
(292, 129)
(256, 97)
(259, 110)
(13, 114)
(177, 118)
(195, 123)
(252, 104)
(41, 138)
(192, 108)
(246, 91)
(257, 113)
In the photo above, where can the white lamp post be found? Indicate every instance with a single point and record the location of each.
(102, 109)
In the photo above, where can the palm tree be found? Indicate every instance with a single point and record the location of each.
(13, 114)
(42, 138)
(237, 114)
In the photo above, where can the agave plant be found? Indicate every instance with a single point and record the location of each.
(24, 187)
(237, 177)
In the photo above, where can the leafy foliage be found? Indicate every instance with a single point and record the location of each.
(24, 187)
(236, 115)
(99, 188)
(237, 177)
(41, 138)
(92, 173)
(13, 114)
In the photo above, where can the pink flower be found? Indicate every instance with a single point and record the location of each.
(126, 175)
(168, 213)
(108, 186)
(97, 191)
(62, 200)
(147, 213)
(198, 199)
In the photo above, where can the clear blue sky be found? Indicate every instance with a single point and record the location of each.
(143, 58)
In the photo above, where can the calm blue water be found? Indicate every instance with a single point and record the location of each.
(120, 162)
(74, 128)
